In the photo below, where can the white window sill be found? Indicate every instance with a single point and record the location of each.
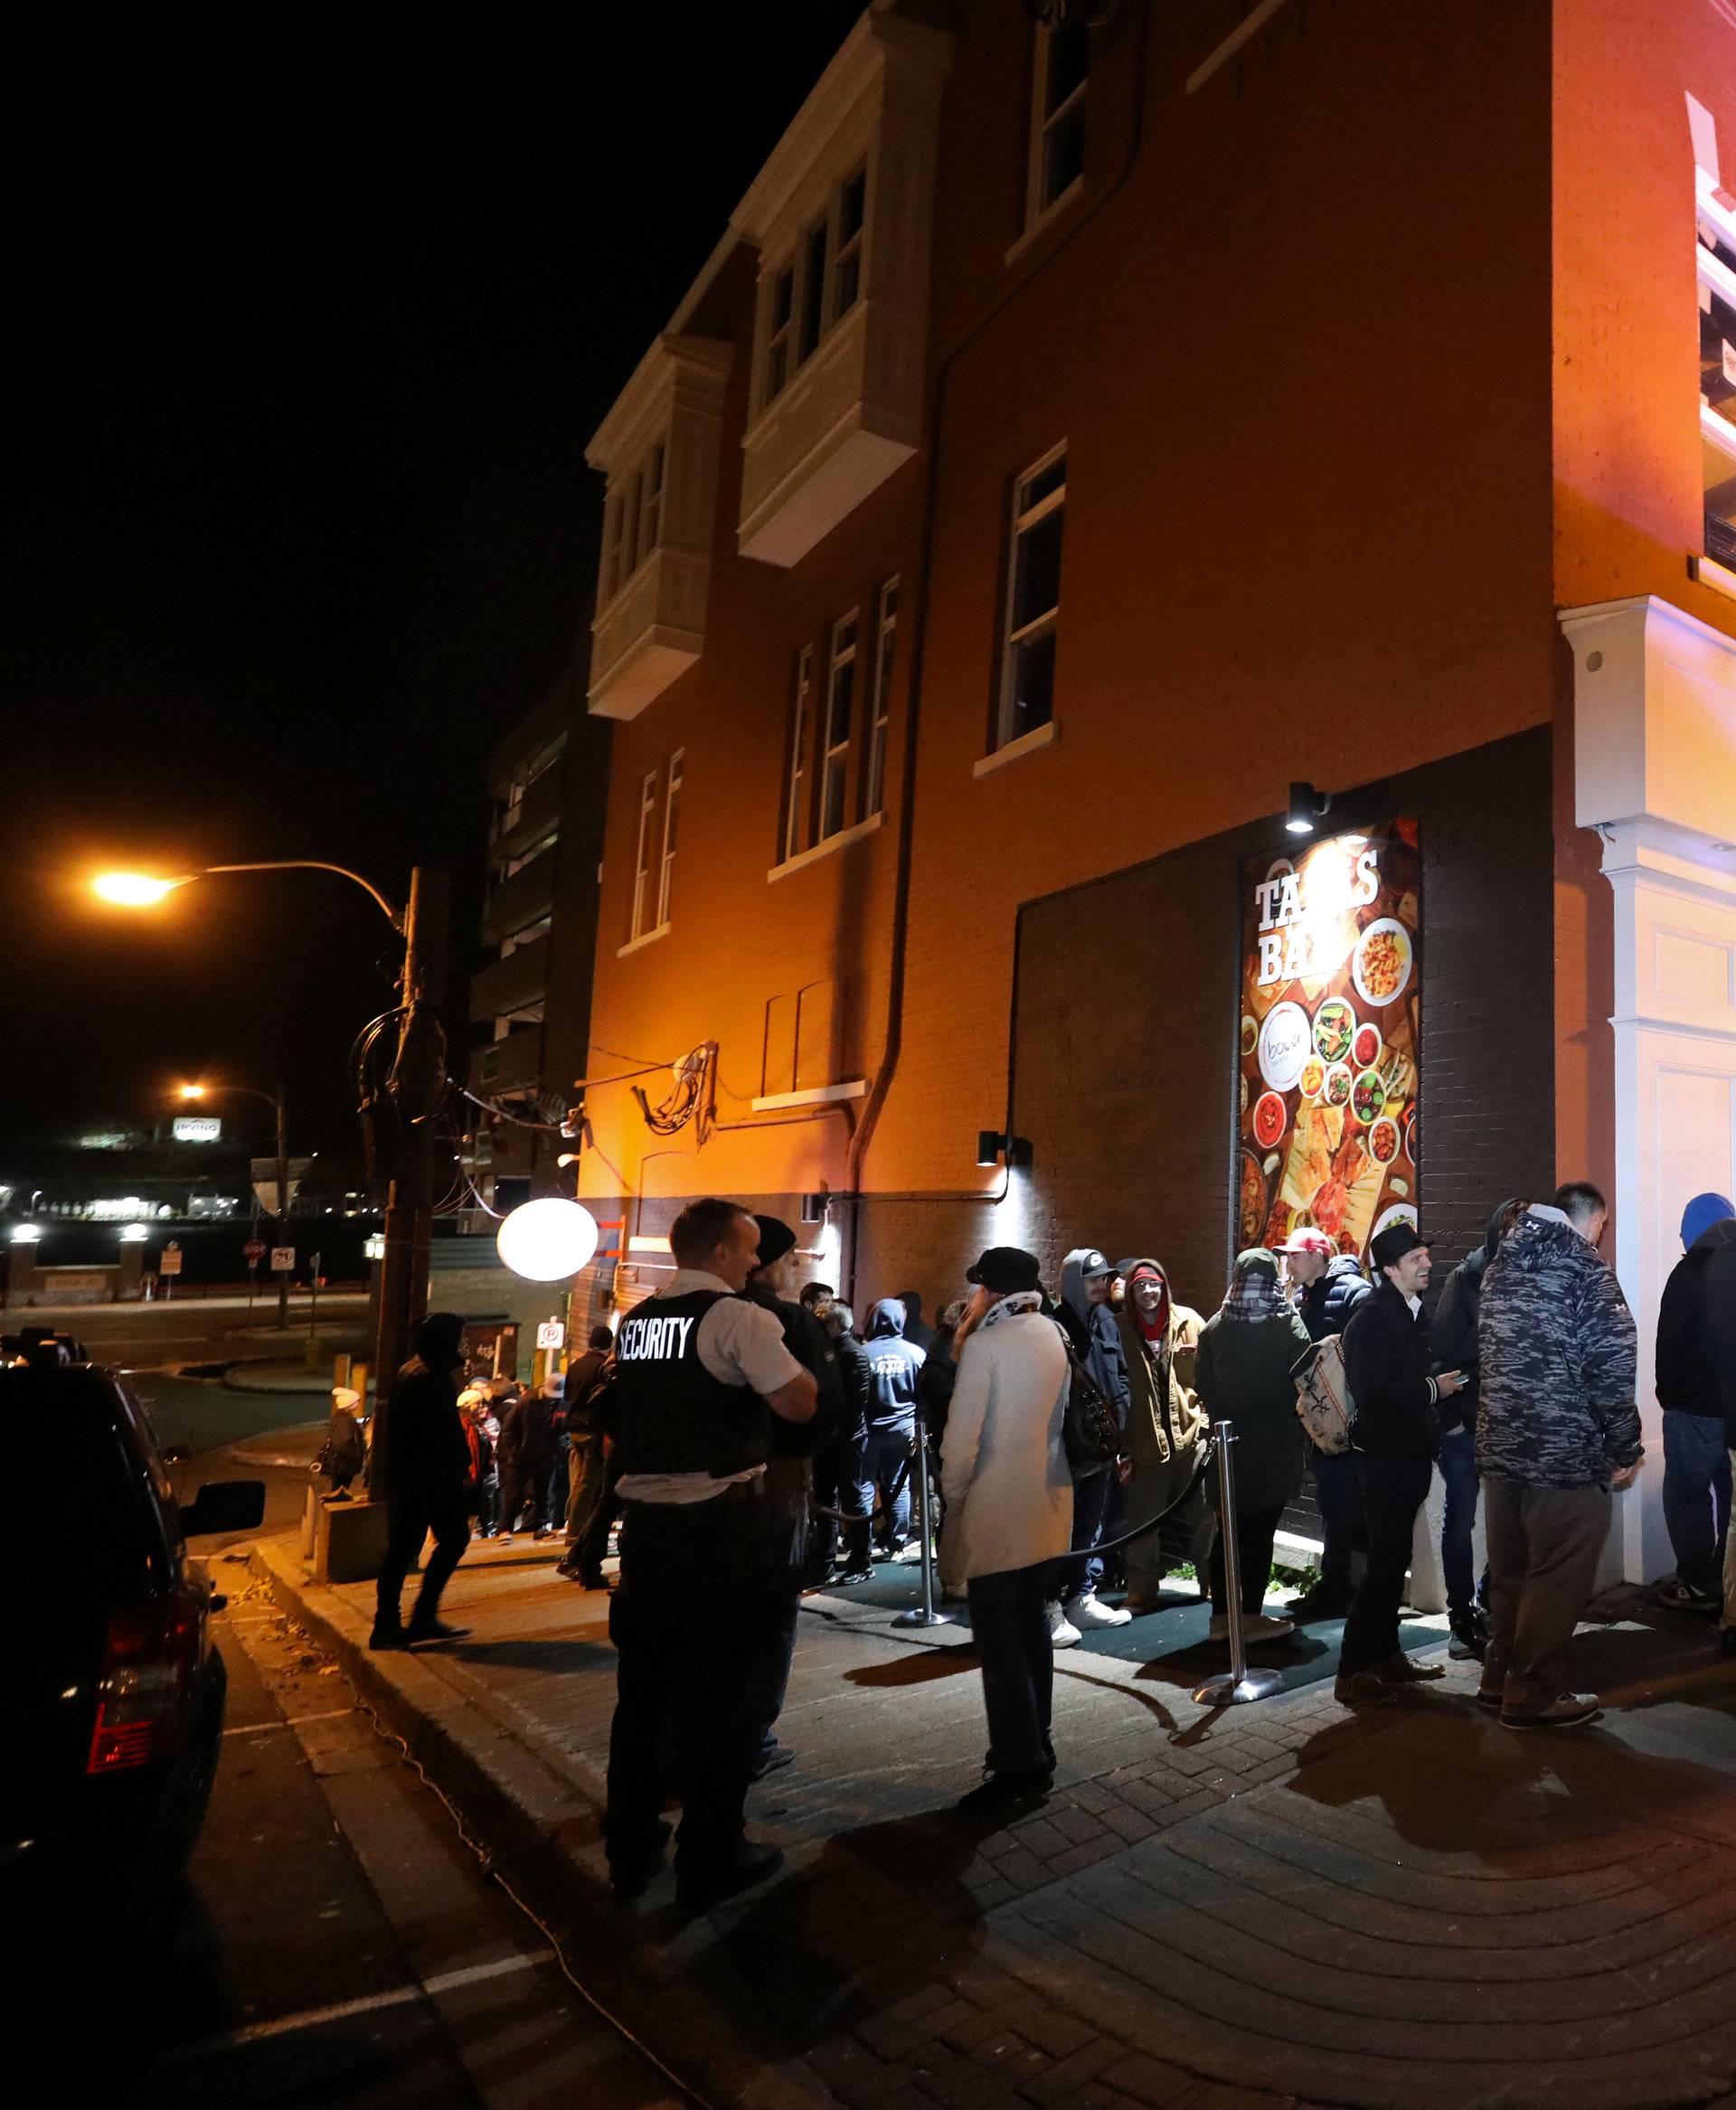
(1710, 572)
(1249, 27)
(1045, 220)
(819, 1094)
(645, 938)
(1027, 743)
(841, 841)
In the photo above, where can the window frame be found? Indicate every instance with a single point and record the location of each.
(1043, 123)
(652, 478)
(1024, 517)
(641, 861)
(834, 753)
(674, 771)
(815, 275)
(873, 795)
(795, 779)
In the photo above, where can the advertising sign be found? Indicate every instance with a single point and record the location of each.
(1330, 1046)
(198, 1128)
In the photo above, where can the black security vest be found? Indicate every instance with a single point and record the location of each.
(676, 1416)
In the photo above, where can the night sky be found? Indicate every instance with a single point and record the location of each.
(297, 518)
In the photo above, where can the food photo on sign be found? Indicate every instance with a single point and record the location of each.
(1330, 1040)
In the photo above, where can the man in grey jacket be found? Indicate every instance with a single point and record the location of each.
(1558, 1427)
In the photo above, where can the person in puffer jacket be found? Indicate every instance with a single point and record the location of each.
(1558, 1426)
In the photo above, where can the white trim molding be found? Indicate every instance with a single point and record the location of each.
(819, 1094)
(1654, 774)
(812, 854)
(644, 939)
(1027, 743)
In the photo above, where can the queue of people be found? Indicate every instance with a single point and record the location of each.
(753, 1444)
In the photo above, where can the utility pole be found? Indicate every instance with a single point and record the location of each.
(283, 1212)
(418, 1080)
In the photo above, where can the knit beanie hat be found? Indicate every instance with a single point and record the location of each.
(1701, 1214)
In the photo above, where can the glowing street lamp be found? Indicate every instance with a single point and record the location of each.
(133, 890)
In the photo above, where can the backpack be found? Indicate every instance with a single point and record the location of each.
(1090, 1433)
(1323, 1400)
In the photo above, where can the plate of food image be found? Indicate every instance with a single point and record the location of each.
(1313, 1080)
(1381, 964)
(1367, 1097)
(1384, 1141)
(1335, 1027)
(1338, 1085)
(1365, 1045)
(1269, 1119)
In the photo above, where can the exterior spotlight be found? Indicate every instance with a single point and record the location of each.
(1306, 806)
(993, 1146)
(548, 1239)
(25, 1234)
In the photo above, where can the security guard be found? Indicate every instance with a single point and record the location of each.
(697, 1368)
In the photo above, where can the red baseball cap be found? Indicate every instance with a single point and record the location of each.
(1308, 1240)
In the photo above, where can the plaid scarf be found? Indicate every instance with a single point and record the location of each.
(1253, 1292)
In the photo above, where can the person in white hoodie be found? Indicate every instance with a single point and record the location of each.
(1009, 1502)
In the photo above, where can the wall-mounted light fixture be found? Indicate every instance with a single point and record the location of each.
(1306, 807)
(994, 1144)
(816, 1208)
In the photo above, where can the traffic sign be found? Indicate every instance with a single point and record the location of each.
(255, 1251)
(168, 1261)
(283, 1259)
(551, 1334)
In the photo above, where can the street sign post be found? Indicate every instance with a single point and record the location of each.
(551, 1334)
(168, 1265)
(283, 1259)
(255, 1251)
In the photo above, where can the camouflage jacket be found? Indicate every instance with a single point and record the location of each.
(1558, 1361)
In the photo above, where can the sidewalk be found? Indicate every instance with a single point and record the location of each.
(1281, 1903)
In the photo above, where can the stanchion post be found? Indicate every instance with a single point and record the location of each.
(928, 1615)
(1241, 1683)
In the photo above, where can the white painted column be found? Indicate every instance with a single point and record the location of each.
(1655, 765)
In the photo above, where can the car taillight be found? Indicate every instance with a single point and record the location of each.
(149, 1662)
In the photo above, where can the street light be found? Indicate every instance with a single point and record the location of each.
(274, 1100)
(416, 1079)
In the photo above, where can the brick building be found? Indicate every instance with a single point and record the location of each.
(1082, 432)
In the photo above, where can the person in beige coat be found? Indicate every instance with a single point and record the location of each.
(1166, 1427)
(1009, 1500)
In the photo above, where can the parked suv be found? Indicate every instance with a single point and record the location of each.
(114, 1691)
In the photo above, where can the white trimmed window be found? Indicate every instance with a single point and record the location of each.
(796, 790)
(615, 563)
(814, 289)
(642, 856)
(671, 823)
(840, 719)
(1027, 698)
(650, 501)
(1716, 255)
(1060, 72)
(885, 639)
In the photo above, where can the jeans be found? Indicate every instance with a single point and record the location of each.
(1081, 1578)
(1339, 1493)
(771, 1675)
(1544, 1545)
(487, 1501)
(1393, 1490)
(1254, 1534)
(1459, 1516)
(1696, 1497)
(886, 1470)
(692, 1626)
(411, 1516)
(1009, 1624)
(839, 1473)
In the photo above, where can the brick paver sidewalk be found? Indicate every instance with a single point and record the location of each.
(1282, 1902)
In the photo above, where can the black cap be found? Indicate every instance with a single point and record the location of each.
(1390, 1246)
(1007, 1270)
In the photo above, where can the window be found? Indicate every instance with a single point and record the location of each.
(840, 715)
(1715, 225)
(796, 809)
(1057, 157)
(1032, 599)
(886, 629)
(615, 563)
(818, 286)
(650, 501)
(642, 855)
(671, 822)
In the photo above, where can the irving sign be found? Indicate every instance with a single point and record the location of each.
(1330, 1066)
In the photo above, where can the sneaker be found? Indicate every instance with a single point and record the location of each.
(433, 1630)
(1568, 1712)
(388, 1637)
(698, 1889)
(1263, 1627)
(1361, 1688)
(851, 1577)
(1005, 1790)
(1681, 1596)
(1062, 1633)
(1086, 1612)
(543, 1531)
(1401, 1670)
(1219, 1627)
(773, 1759)
(1489, 1698)
(1469, 1637)
(503, 1538)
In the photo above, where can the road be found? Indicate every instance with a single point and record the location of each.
(197, 1330)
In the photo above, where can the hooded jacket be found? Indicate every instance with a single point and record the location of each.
(1453, 1334)
(892, 1363)
(1697, 1329)
(1162, 1409)
(426, 1451)
(1557, 1359)
(1092, 1329)
(1325, 1305)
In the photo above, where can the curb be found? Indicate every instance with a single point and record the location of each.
(540, 1829)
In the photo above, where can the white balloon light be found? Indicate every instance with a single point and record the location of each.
(547, 1240)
